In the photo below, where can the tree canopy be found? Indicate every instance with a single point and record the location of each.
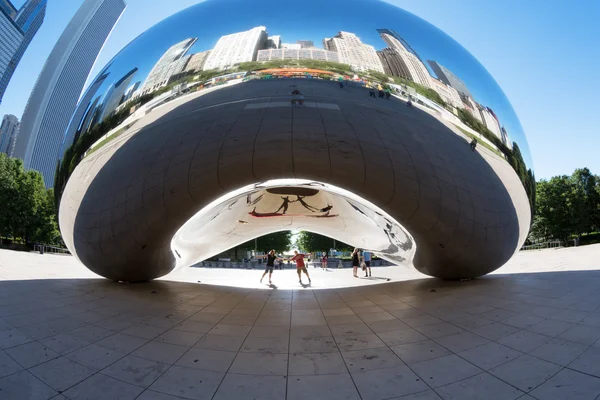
(27, 212)
(313, 242)
(278, 241)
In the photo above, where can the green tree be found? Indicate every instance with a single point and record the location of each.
(278, 241)
(585, 200)
(554, 216)
(313, 242)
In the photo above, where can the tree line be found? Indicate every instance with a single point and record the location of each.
(567, 207)
(27, 212)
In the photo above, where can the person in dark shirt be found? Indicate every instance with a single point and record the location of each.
(271, 257)
(355, 262)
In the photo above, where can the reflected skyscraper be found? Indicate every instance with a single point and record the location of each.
(446, 76)
(237, 48)
(416, 68)
(115, 95)
(172, 62)
(18, 27)
(9, 131)
(360, 56)
(58, 87)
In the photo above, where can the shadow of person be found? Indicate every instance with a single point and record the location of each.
(272, 286)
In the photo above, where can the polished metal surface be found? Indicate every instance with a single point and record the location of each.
(214, 127)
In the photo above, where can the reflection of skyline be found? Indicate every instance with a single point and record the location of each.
(434, 45)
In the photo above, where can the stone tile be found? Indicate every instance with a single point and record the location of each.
(8, 366)
(91, 333)
(350, 329)
(135, 370)
(332, 387)
(316, 364)
(144, 331)
(525, 372)
(31, 354)
(401, 336)
(416, 352)
(570, 385)
(524, 341)
(498, 314)
(266, 345)
(387, 325)
(195, 326)
(12, 337)
(471, 323)
(495, 331)
(230, 330)
(444, 370)
(100, 387)
(489, 355)
(188, 383)
(236, 386)
(370, 359)
(338, 311)
(64, 343)
(210, 360)
(152, 395)
(426, 395)
(482, 386)
(438, 330)
(61, 373)
(343, 320)
(559, 351)
(313, 345)
(219, 342)
(374, 317)
(270, 332)
(180, 338)
(162, 352)
(260, 364)
(571, 316)
(550, 327)
(583, 334)
(95, 357)
(122, 343)
(588, 362)
(423, 320)
(359, 342)
(461, 341)
(310, 331)
(522, 320)
(24, 385)
(387, 383)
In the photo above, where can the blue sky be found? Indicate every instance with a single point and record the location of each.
(541, 56)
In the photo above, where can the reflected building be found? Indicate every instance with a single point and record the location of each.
(393, 64)
(298, 54)
(9, 131)
(416, 69)
(59, 85)
(237, 48)
(116, 94)
(490, 120)
(172, 62)
(351, 51)
(196, 61)
(446, 76)
(447, 93)
(77, 122)
(306, 44)
(17, 28)
(274, 42)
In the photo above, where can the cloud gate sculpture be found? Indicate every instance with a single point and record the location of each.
(350, 118)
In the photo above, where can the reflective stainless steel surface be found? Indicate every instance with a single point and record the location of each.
(349, 118)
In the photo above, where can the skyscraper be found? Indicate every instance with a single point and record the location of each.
(237, 48)
(393, 63)
(9, 130)
(55, 94)
(17, 29)
(416, 68)
(306, 44)
(446, 76)
(114, 96)
(360, 56)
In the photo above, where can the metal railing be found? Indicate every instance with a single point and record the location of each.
(44, 249)
(543, 245)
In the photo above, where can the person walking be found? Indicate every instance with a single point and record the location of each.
(300, 267)
(324, 261)
(355, 262)
(271, 257)
(297, 97)
(366, 256)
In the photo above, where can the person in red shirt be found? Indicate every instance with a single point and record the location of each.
(300, 267)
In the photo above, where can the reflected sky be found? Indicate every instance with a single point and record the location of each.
(313, 20)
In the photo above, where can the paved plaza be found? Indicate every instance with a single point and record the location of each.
(529, 331)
